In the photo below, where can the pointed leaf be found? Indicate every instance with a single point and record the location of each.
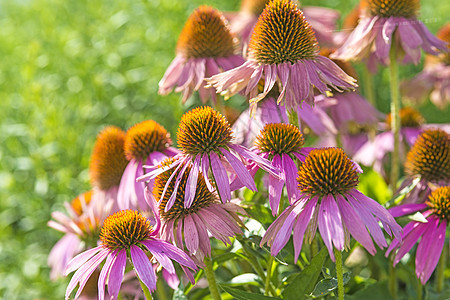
(326, 286)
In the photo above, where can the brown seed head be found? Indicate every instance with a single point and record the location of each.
(124, 229)
(429, 157)
(108, 159)
(279, 138)
(327, 171)
(391, 8)
(282, 35)
(203, 130)
(206, 34)
(409, 117)
(144, 138)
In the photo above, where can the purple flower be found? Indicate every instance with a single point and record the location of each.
(81, 227)
(432, 232)
(122, 233)
(383, 23)
(327, 181)
(204, 136)
(146, 143)
(284, 51)
(191, 227)
(205, 48)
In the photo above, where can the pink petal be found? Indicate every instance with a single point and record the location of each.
(301, 225)
(191, 185)
(178, 255)
(324, 225)
(221, 178)
(143, 267)
(104, 274)
(81, 259)
(203, 237)
(191, 237)
(406, 209)
(240, 169)
(290, 170)
(116, 274)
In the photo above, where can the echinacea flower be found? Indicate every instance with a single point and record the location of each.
(284, 51)
(146, 143)
(108, 162)
(191, 227)
(431, 233)
(327, 181)
(124, 233)
(205, 48)
(81, 227)
(323, 20)
(434, 80)
(282, 144)
(429, 162)
(384, 23)
(205, 139)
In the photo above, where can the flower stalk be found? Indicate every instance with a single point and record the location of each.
(339, 273)
(209, 271)
(268, 276)
(369, 92)
(440, 276)
(395, 121)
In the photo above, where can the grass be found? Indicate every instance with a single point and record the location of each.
(67, 69)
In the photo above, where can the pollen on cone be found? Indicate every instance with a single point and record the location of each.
(279, 138)
(108, 159)
(439, 201)
(282, 34)
(206, 34)
(391, 8)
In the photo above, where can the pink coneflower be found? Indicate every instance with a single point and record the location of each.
(191, 227)
(284, 51)
(282, 145)
(108, 162)
(323, 20)
(436, 210)
(327, 180)
(205, 136)
(81, 227)
(205, 48)
(384, 22)
(124, 233)
(146, 143)
(429, 162)
(434, 80)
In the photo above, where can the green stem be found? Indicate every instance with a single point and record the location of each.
(145, 289)
(339, 273)
(395, 116)
(419, 289)
(160, 290)
(258, 268)
(293, 117)
(440, 276)
(369, 92)
(268, 275)
(314, 247)
(209, 271)
(392, 280)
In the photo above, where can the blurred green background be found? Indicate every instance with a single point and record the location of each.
(69, 68)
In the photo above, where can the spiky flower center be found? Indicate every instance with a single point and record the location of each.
(439, 201)
(327, 171)
(203, 197)
(124, 229)
(255, 7)
(203, 130)
(429, 157)
(79, 202)
(206, 34)
(282, 35)
(144, 138)
(391, 8)
(108, 159)
(279, 138)
(409, 117)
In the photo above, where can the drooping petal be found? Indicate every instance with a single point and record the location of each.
(240, 169)
(104, 274)
(324, 226)
(406, 209)
(171, 251)
(81, 259)
(116, 274)
(143, 267)
(191, 237)
(409, 240)
(290, 170)
(221, 178)
(191, 184)
(300, 227)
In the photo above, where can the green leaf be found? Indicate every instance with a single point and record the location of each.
(304, 283)
(242, 295)
(246, 278)
(373, 185)
(375, 291)
(256, 239)
(326, 286)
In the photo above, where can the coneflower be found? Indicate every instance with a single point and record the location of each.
(125, 233)
(436, 210)
(284, 51)
(205, 48)
(146, 143)
(205, 139)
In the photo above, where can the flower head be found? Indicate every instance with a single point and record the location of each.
(190, 226)
(283, 49)
(108, 159)
(429, 157)
(205, 47)
(146, 143)
(387, 22)
(122, 233)
(327, 181)
(431, 233)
